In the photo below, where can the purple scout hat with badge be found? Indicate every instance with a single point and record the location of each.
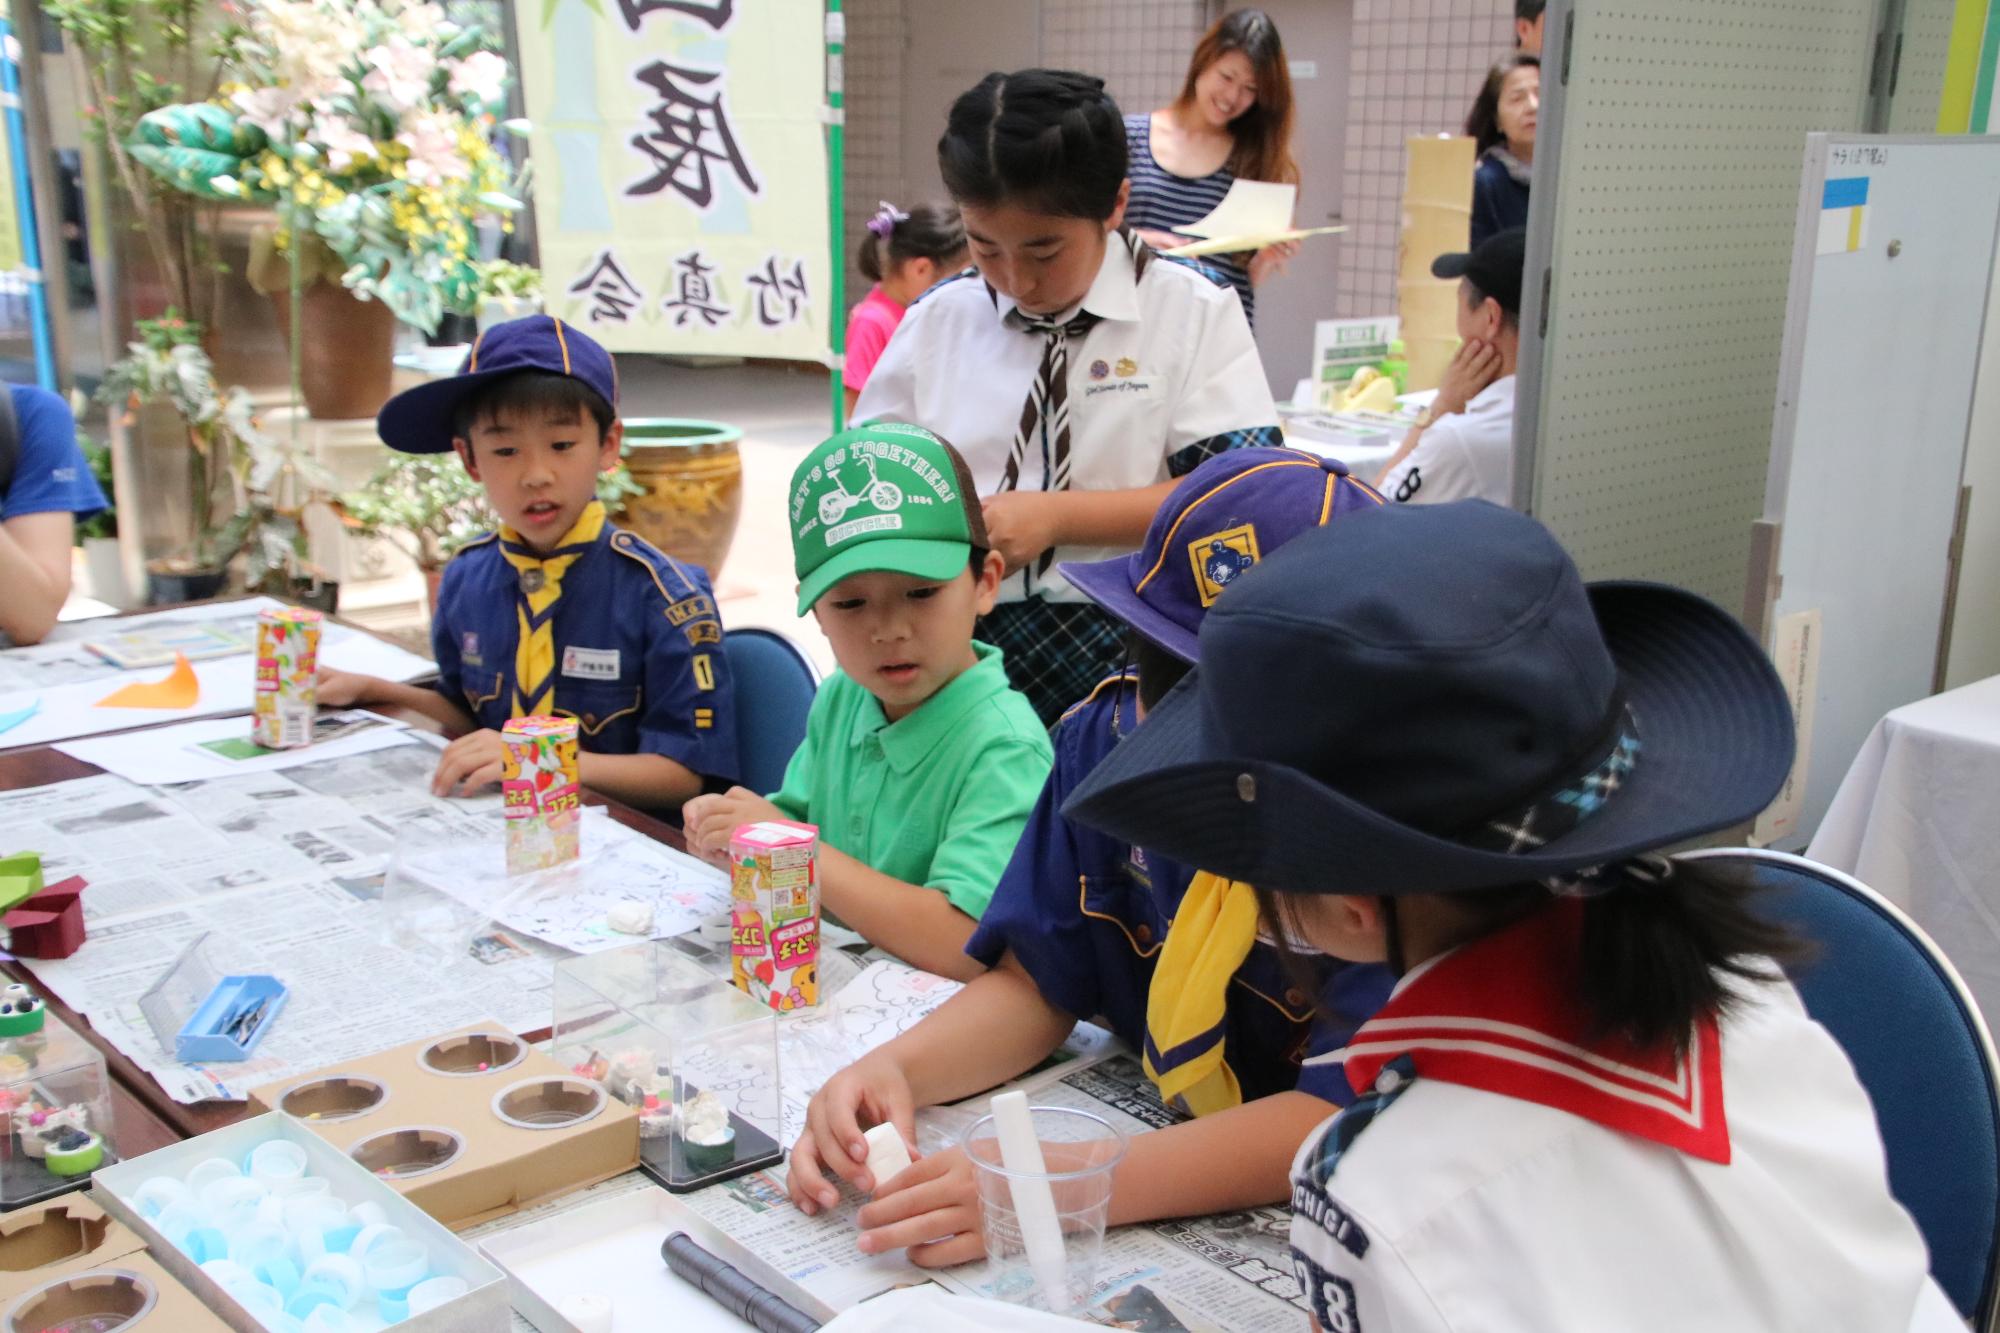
(419, 420)
(1223, 518)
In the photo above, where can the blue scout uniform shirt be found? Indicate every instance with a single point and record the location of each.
(1087, 916)
(50, 472)
(639, 660)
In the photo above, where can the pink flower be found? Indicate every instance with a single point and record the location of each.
(433, 143)
(399, 74)
(482, 74)
(267, 108)
(344, 145)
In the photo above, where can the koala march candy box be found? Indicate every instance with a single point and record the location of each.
(774, 913)
(540, 793)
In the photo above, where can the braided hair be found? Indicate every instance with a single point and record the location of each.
(1047, 140)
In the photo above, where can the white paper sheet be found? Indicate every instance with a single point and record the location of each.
(1250, 207)
(1238, 242)
(69, 709)
(568, 906)
(177, 753)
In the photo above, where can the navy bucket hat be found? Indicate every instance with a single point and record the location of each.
(1222, 519)
(419, 420)
(1427, 698)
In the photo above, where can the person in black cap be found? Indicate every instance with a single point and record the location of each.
(557, 611)
(1462, 447)
(1592, 1101)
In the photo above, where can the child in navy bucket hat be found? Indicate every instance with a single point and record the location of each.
(1593, 1101)
(557, 612)
(1078, 927)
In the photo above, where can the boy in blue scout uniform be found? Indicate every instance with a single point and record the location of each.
(1083, 925)
(557, 612)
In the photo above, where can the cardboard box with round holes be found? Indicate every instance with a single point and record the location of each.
(468, 1126)
(65, 1264)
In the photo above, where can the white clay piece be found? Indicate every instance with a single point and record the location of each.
(888, 1157)
(631, 918)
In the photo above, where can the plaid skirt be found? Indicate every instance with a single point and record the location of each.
(1056, 652)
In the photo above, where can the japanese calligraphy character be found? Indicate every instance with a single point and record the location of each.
(684, 124)
(611, 293)
(694, 295)
(715, 13)
(780, 296)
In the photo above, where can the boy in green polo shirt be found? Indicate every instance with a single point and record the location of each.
(920, 764)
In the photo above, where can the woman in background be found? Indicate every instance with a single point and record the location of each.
(1233, 118)
(1502, 126)
(902, 254)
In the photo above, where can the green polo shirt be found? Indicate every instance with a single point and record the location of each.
(938, 798)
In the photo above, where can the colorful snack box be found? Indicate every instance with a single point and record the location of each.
(287, 692)
(774, 912)
(539, 789)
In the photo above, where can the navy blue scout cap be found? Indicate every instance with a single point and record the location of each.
(418, 421)
(1225, 516)
(1427, 698)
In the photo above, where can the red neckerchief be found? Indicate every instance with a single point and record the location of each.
(1499, 1014)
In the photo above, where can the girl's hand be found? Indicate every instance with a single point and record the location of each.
(931, 1210)
(1271, 260)
(871, 1090)
(1020, 525)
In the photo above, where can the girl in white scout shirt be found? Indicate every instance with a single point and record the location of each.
(1077, 371)
(1593, 1102)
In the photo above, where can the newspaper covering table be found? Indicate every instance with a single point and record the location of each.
(286, 872)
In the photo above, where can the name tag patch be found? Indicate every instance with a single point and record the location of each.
(590, 663)
(1142, 386)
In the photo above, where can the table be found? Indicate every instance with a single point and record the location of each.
(1915, 819)
(39, 766)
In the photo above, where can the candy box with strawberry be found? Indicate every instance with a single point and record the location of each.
(774, 913)
(540, 793)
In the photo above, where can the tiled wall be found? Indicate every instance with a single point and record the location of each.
(875, 34)
(1414, 68)
(1139, 47)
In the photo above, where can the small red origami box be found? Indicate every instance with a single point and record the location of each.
(49, 924)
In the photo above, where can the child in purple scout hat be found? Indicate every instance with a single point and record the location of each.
(1056, 955)
(557, 612)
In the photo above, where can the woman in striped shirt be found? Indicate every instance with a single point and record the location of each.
(1233, 118)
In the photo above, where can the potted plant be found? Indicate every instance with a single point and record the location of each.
(428, 506)
(506, 291)
(367, 123)
(103, 563)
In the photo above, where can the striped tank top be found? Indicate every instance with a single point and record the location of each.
(1162, 201)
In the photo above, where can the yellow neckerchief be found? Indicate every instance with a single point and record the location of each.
(1188, 1002)
(536, 591)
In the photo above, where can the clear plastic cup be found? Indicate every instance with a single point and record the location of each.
(1047, 1272)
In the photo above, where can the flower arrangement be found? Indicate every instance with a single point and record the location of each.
(370, 118)
(500, 280)
(247, 489)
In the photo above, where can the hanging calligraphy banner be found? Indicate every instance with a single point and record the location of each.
(680, 172)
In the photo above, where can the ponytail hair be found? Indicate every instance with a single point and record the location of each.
(1045, 140)
(1654, 960)
(894, 238)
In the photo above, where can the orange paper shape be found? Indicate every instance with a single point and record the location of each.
(180, 689)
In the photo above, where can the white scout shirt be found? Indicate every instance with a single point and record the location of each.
(1514, 1176)
(1468, 455)
(1168, 376)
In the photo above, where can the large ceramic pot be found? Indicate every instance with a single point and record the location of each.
(167, 585)
(346, 352)
(692, 473)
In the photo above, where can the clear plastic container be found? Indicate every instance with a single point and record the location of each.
(56, 1098)
(695, 1056)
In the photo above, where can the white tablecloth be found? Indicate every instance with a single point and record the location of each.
(1918, 819)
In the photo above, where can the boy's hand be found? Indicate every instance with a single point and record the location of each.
(474, 760)
(344, 689)
(1476, 365)
(1020, 525)
(871, 1088)
(707, 821)
(931, 1210)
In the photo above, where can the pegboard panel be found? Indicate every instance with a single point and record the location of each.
(1680, 139)
(1920, 80)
